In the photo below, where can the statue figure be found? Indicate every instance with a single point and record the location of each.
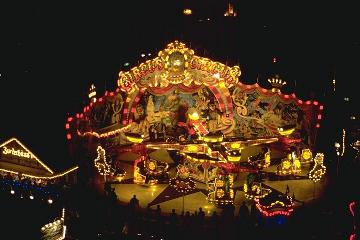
(116, 107)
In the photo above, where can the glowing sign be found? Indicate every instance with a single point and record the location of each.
(19, 153)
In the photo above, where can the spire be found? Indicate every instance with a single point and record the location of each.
(277, 83)
(92, 93)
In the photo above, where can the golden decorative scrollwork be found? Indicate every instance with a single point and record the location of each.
(177, 64)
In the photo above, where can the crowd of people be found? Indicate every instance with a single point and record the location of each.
(32, 188)
(109, 219)
(91, 214)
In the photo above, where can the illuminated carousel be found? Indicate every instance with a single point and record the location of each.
(182, 112)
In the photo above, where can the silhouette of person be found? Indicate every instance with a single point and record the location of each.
(244, 212)
(173, 217)
(158, 212)
(134, 203)
(287, 190)
(201, 215)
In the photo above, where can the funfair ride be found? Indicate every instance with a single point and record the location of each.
(197, 110)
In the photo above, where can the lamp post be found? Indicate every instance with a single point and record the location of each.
(337, 147)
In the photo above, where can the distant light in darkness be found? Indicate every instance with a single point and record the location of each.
(187, 11)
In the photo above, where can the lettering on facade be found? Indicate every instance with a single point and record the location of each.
(19, 153)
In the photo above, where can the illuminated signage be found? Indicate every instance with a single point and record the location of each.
(19, 153)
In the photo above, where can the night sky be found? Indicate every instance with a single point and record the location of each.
(52, 52)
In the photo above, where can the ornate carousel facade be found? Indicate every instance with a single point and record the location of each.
(187, 121)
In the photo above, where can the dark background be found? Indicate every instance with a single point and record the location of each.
(50, 53)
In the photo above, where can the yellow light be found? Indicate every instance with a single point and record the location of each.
(222, 84)
(235, 145)
(213, 138)
(286, 132)
(306, 154)
(234, 158)
(152, 166)
(286, 164)
(193, 148)
(267, 158)
(187, 11)
(194, 116)
(219, 183)
(220, 193)
(50, 201)
(134, 139)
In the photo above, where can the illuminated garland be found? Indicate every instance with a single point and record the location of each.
(343, 143)
(33, 155)
(104, 168)
(55, 227)
(356, 146)
(260, 161)
(306, 156)
(319, 169)
(138, 177)
(182, 182)
(217, 191)
(256, 191)
(42, 177)
(284, 206)
(183, 185)
(104, 135)
(289, 165)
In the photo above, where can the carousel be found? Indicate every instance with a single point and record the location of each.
(187, 122)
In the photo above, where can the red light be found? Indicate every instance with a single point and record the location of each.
(118, 90)
(81, 115)
(308, 102)
(286, 96)
(319, 116)
(133, 110)
(77, 115)
(111, 94)
(300, 102)
(352, 236)
(315, 103)
(125, 110)
(318, 125)
(274, 60)
(106, 93)
(100, 99)
(67, 126)
(321, 107)
(70, 119)
(351, 208)
(68, 136)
